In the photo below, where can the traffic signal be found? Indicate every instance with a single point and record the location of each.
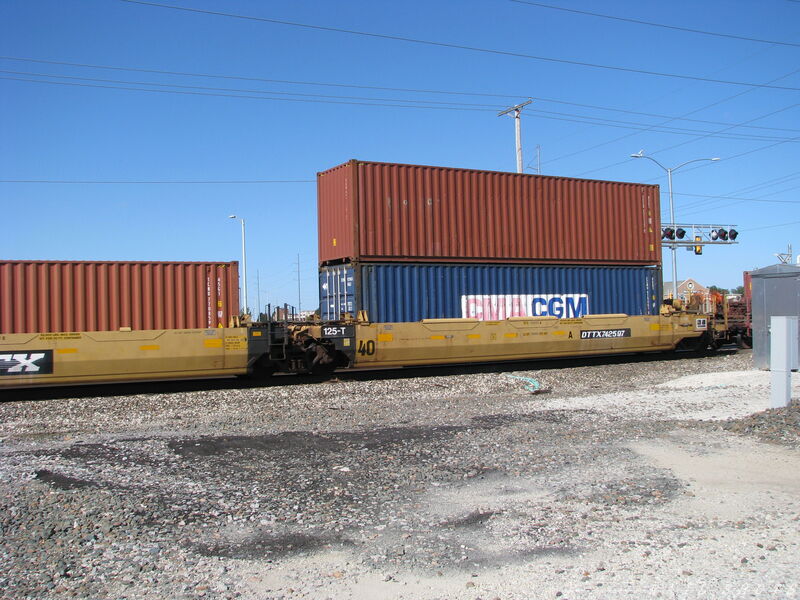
(698, 249)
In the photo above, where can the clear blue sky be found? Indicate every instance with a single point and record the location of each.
(61, 122)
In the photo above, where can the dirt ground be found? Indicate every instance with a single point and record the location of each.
(661, 477)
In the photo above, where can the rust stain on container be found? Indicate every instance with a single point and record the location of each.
(370, 211)
(53, 296)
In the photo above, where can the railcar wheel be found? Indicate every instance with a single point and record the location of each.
(319, 360)
(263, 368)
(697, 345)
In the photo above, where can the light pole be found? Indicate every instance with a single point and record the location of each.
(669, 171)
(244, 269)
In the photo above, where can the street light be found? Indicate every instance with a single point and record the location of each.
(244, 269)
(669, 171)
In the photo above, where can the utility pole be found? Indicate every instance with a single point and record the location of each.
(298, 284)
(245, 307)
(258, 293)
(517, 110)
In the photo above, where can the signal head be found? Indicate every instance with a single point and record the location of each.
(733, 234)
(723, 235)
(680, 233)
(668, 233)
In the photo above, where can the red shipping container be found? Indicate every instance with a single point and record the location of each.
(53, 296)
(370, 211)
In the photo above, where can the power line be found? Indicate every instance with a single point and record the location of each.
(370, 87)
(715, 201)
(770, 182)
(220, 95)
(656, 115)
(455, 46)
(157, 182)
(751, 187)
(721, 131)
(249, 91)
(771, 226)
(713, 197)
(588, 119)
(244, 78)
(367, 101)
(651, 24)
(726, 99)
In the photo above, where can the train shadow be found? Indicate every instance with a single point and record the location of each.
(175, 386)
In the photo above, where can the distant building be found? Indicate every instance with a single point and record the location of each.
(685, 289)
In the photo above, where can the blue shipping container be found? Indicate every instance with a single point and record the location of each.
(394, 293)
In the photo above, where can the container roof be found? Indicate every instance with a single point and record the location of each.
(779, 270)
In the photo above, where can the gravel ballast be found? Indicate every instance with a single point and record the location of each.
(662, 477)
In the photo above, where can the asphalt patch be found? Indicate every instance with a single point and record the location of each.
(475, 518)
(62, 482)
(325, 443)
(272, 546)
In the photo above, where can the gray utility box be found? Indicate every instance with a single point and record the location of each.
(775, 293)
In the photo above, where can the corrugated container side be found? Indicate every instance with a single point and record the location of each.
(337, 292)
(336, 216)
(397, 292)
(53, 296)
(412, 213)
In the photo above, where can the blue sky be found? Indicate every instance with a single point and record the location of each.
(219, 120)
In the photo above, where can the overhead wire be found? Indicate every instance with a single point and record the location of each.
(454, 46)
(418, 101)
(221, 95)
(371, 87)
(366, 101)
(157, 181)
(249, 91)
(710, 204)
(771, 226)
(720, 131)
(662, 25)
(749, 188)
(740, 199)
(704, 107)
(757, 186)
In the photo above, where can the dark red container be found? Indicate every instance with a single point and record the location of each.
(390, 212)
(52, 296)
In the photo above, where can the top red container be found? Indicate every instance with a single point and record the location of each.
(53, 296)
(410, 213)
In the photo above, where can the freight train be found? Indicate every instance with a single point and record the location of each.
(418, 266)
(263, 349)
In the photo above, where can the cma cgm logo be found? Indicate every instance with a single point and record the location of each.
(494, 307)
(568, 306)
(24, 363)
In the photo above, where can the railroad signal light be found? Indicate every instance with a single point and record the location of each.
(680, 233)
(733, 234)
(723, 235)
(668, 233)
(714, 235)
(698, 249)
